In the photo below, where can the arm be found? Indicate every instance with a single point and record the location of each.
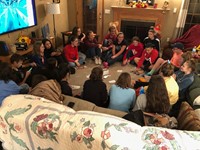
(104, 94)
(140, 63)
(120, 52)
(154, 56)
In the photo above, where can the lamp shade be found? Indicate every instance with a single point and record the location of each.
(53, 8)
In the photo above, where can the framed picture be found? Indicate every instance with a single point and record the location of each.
(56, 1)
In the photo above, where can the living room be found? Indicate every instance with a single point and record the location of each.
(67, 19)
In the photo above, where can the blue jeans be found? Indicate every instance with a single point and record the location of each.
(111, 61)
(94, 52)
(73, 64)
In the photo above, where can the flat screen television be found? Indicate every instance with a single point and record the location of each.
(16, 15)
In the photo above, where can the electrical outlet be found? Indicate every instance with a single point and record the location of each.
(168, 39)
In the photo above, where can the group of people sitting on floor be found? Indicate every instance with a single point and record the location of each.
(165, 89)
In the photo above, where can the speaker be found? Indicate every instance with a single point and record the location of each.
(33, 34)
(4, 51)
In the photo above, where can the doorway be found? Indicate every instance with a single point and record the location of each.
(90, 17)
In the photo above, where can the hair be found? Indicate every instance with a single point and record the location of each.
(157, 96)
(75, 31)
(120, 34)
(16, 58)
(64, 69)
(5, 72)
(96, 74)
(124, 80)
(136, 38)
(37, 79)
(45, 40)
(72, 39)
(72, 70)
(191, 64)
(167, 69)
(36, 47)
(152, 30)
(88, 33)
(111, 28)
(51, 63)
(186, 56)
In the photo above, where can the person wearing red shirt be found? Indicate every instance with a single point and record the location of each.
(135, 49)
(71, 53)
(147, 59)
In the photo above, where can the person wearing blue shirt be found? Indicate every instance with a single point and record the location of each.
(7, 85)
(122, 96)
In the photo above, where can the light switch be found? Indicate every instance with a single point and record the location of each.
(175, 10)
(107, 11)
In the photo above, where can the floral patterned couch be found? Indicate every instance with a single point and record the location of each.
(30, 122)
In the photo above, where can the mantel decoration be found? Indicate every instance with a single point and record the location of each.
(139, 4)
(144, 2)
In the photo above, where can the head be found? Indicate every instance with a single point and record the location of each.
(177, 47)
(96, 73)
(135, 40)
(37, 79)
(124, 80)
(5, 72)
(151, 34)
(52, 63)
(149, 47)
(90, 35)
(120, 37)
(16, 60)
(188, 67)
(112, 30)
(47, 44)
(64, 71)
(187, 56)
(38, 48)
(74, 41)
(157, 96)
(167, 69)
(76, 31)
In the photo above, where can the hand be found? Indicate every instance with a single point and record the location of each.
(113, 57)
(33, 64)
(27, 74)
(99, 45)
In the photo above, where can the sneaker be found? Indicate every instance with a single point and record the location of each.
(100, 62)
(96, 61)
(105, 64)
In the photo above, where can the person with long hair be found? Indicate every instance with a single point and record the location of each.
(122, 96)
(156, 99)
(118, 50)
(50, 51)
(167, 71)
(7, 85)
(93, 47)
(71, 53)
(81, 36)
(94, 89)
(38, 54)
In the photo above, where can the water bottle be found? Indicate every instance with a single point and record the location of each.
(141, 90)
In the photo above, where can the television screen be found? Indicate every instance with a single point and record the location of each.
(16, 15)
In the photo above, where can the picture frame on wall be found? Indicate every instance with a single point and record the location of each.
(56, 1)
(149, 2)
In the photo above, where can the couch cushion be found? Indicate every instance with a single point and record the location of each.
(109, 111)
(79, 104)
(187, 119)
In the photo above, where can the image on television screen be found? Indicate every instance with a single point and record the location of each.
(16, 14)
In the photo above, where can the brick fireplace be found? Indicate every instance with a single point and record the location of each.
(136, 21)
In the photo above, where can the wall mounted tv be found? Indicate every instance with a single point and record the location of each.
(16, 15)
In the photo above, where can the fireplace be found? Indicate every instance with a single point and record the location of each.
(136, 21)
(135, 28)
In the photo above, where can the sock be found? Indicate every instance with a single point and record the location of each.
(151, 72)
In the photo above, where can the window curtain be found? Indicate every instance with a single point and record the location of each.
(181, 18)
